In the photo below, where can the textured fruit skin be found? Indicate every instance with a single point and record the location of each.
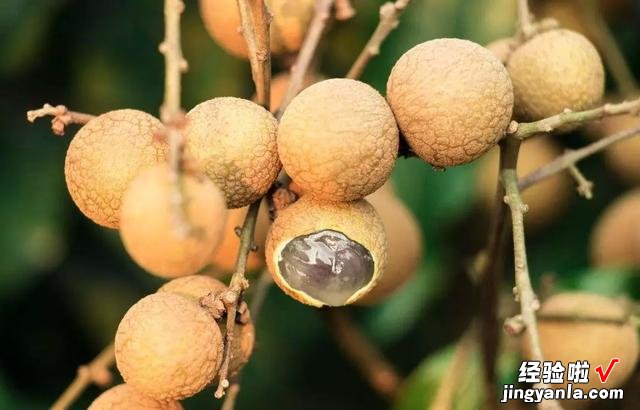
(547, 200)
(168, 347)
(288, 27)
(404, 244)
(615, 240)
(357, 220)
(226, 254)
(593, 341)
(149, 230)
(452, 98)
(194, 286)
(105, 156)
(234, 141)
(338, 140)
(123, 396)
(554, 71)
(621, 157)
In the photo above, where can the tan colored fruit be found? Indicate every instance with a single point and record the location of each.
(338, 140)
(452, 99)
(105, 156)
(288, 27)
(404, 244)
(546, 200)
(225, 256)
(615, 240)
(149, 229)
(168, 347)
(322, 253)
(123, 396)
(502, 48)
(197, 286)
(622, 157)
(573, 327)
(554, 71)
(234, 140)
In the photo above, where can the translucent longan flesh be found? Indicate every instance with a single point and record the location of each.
(326, 265)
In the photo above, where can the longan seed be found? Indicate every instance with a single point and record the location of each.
(404, 244)
(615, 240)
(149, 228)
(123, 396)
(546, 200)
(234, 141)
(105, 156)
(288, 26)
(555, 71)
(338, 140)
(168, 347)
(452, 99)
(323, 253)
(572, 327)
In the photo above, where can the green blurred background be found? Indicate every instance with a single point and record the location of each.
(65, 283)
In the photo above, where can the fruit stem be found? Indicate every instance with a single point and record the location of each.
(344, 10)
(256, 22)
(570, 158)
(390, 13)
(61, 117)
(372, 364)
(584, 186)
(525, 20)
(97, 372)
(307, 52)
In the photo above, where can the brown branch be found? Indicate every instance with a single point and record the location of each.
(256, 21)
(527, 129)
(344, 10)
(373, 366)
(390, 13)
(307, 52)
(175, 64)
(232, 394)
(96, 372)
(526, 28)
(62, 117)
(584, 186)
(570, 158)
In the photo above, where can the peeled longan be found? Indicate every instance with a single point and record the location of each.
(168, 347)
(226, 254)
(234, 141)
(622, 157)
(555, 71)
(105, 156)
(323, 253)
(288, 27)
(338, 140)
(452, 99)
(123, 396)
(577, 326)
(404, 244)
(150, 230)
(547, 199)
(615, 240)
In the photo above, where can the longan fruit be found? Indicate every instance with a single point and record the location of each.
(554, 71)
(573, 326)
(615, 240)
(288, 26)
(280, 85)
(194, 286)
(123, 396)
(404, 244)
(452, 99)
(502, 48)
(105, 156)
(338, 140)
(622, 157)
(234, 141)
(149, 228)
(168, 347)
(326, 253)
(226, 254)
(547, 199)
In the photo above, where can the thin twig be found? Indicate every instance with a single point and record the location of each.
(344, 10)
(527, 129)
(390, 13)
(307, 52)
(570, 158)
(380, 374)
(584, 186)
(525, 20)
(97, 372)
(256, 21)
(61, 117)
(232, 394)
